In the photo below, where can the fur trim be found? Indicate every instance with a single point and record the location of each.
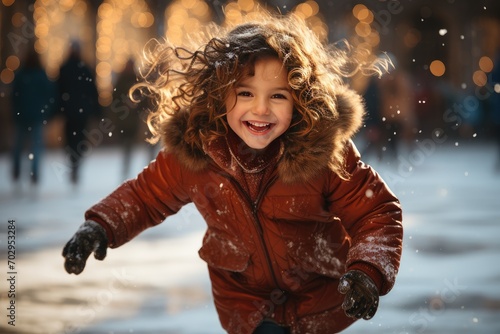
(173, 141)
(303, 157)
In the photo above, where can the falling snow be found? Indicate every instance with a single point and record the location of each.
(157, 283)
(443, 32)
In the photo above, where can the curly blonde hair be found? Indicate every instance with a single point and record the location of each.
(199, 79)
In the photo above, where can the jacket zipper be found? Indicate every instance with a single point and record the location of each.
(278, 295)
(255, 211)
(254, 206)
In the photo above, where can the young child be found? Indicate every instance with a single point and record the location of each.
(302, 236)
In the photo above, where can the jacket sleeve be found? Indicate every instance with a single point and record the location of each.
(371, 215)
(142, 202)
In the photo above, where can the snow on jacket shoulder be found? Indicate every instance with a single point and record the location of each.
(279, 256)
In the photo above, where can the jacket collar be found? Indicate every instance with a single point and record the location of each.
(230, 153)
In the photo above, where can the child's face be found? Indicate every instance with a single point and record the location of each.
(260, 110)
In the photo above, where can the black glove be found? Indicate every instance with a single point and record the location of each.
(90, 237)
(361, 295)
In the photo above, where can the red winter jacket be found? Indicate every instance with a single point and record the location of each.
(281, 229)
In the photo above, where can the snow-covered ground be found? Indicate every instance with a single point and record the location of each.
(449, 280)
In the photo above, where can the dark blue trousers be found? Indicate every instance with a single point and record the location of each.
(268, 327)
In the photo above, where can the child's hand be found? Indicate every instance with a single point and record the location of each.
(361, 300)
(90, 237)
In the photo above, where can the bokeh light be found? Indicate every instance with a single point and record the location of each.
(309, 11)
(412, 38)
(357, 9)
(437, 68)
(120, 35)
(365, 15)
(479, 78)
(486, 64)
(7, 76)
(122, 30)
(12, 62)
(184, 17)
(18, 19)
(363, 29)
(367, 37)
(235, 11)
(57, 24)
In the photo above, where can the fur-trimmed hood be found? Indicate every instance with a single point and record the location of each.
(303, 156)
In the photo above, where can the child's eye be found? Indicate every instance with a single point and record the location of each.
(279, 96)
(244, 93)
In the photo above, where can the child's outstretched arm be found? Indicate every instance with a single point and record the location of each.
(90, 237)
(133, 207)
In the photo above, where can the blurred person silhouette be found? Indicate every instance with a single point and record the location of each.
(427, 98)
(372, 131)
(126, 113)
(33, 103)
(495, 105)
(78, 102)
(396, 110)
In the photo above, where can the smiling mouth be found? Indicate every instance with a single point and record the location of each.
(258, 127)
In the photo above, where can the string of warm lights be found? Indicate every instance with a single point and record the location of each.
(121, 32)
(367, 36)
(183, 17)
(118, 31)
(122, 28)
(309, 11)
(234, 12)
(57, 23)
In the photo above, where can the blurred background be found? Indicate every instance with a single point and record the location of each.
(444, 51)
(69, 134)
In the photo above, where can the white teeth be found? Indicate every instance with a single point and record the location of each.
(259, 124)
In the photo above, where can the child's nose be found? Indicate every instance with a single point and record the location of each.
(260, 107)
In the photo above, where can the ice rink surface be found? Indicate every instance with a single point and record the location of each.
(449, 280)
